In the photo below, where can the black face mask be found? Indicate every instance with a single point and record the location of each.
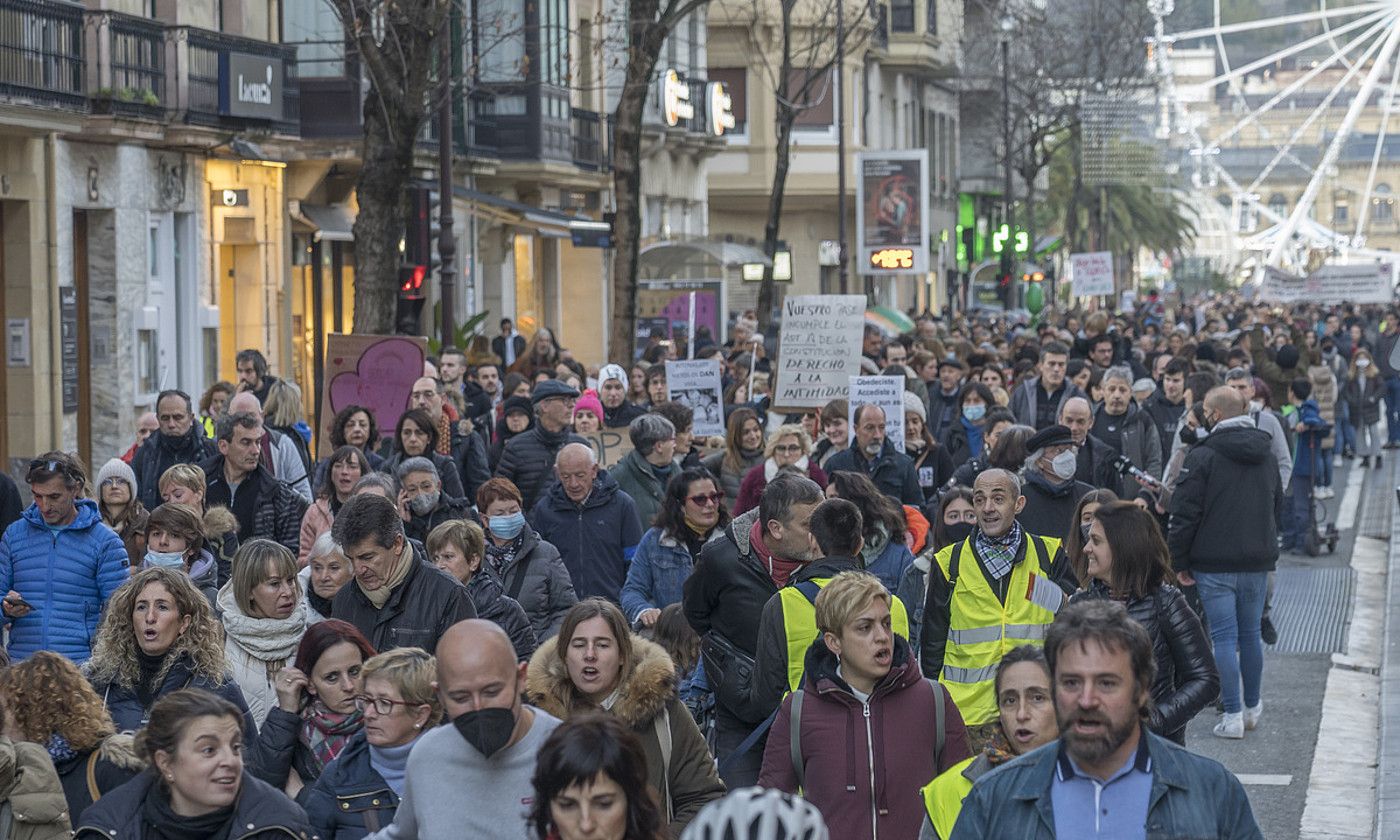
(488, 730)
(959, 531)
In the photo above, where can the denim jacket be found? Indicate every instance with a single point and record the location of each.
(1192, 797)
(656, 577)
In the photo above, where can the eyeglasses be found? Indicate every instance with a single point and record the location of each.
(705, 499)
(382, 705)
(113, 479)
(788, 448)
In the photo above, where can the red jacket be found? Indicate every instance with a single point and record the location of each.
(756, 479)
(859, 803)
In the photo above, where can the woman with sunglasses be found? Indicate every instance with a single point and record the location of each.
(359, 791)
(692, 513)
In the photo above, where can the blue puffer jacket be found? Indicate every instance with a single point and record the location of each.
(350, 799)
(596, 539)
(66, 575)
(656, 578)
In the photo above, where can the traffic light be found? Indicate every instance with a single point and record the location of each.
(1005, 288)
(408, 310)
(419, 259)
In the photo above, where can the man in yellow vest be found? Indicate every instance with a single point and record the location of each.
(996, 590)
(1026, 715)
(788, 625)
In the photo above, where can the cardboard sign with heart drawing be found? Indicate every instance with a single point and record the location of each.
(375, 371)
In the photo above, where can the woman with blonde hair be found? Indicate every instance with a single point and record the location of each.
(789, 446)
(185, 484)
(159, 635)
(359, 791)
(597, 664)
(283, 413)
(91, 757)
(264, 619)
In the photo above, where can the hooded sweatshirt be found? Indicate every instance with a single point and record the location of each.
(1227, 502)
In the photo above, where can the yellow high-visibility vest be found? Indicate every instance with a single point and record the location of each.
(943, 797)
(981, 629)
(800, 623)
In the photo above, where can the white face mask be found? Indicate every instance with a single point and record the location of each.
(1255, 405)
(1363, 363)
(1065, 465)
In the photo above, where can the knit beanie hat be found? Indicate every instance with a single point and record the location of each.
(607, 372)
(914, 405)
(1287, 356)
(589, 402)
(117, 468)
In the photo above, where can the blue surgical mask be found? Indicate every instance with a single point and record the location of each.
(507, 527)
(165, 558)
(973, 413)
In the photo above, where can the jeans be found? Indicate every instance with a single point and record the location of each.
(1325, 467)
(1368, 440)
(1300, 497)
(1234, 603)
(1345, 427)
(1392, 408)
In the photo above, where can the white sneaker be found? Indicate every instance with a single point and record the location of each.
(1251, 716)
(1230, 726)
(1328, 493)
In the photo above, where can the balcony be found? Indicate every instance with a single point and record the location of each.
(222, 81)
(41, 53)
(126, 66)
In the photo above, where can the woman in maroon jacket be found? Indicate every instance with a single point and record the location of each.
(866, 742)
(789, 446)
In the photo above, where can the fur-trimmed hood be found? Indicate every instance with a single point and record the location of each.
(640, 697)
(120, 749)
(219, 520)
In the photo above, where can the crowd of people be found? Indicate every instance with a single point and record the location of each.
(458, 622)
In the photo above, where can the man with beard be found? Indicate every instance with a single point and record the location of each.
(1036, 401)
(1108, 776)
(872, 454)
(489, 747)
(178, 441)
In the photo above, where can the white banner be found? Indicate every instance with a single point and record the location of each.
(818, 349)
(1361, 283)
(698, 385)
(888, 393)
(1091, 273)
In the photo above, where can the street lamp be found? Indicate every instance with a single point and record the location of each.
(1008, 25)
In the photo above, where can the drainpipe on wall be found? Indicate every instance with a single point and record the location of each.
(55, 324)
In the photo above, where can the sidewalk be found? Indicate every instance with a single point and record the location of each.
(1388, 764)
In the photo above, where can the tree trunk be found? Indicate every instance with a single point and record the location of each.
(771, 227)
(388, 164)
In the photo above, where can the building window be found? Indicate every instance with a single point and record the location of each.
(902, 15)
(1278, 204)
(554, 42)
(820, 112)
(498, 40)
(1340, 211)
(736, 85)
(1383, 204)
(319, 39)
(147, 362)
(932, 12)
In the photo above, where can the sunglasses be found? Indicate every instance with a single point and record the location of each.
(704, 499)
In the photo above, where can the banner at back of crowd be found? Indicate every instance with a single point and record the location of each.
(1360, 283)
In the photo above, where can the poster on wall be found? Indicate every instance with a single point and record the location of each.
(888, 393)
(818, 350)
(892, 212)
(667, 302)
(698, 384)
(375, 371)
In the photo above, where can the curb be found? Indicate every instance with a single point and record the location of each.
(1388, 764)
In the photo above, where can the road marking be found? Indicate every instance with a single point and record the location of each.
(1351, 499)
(1264, 779)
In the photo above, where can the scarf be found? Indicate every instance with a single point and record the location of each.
(325, 733)
(779, 569)
(162, 823)
(269, 639)
(444, 434)
(999, 553)
(974, 437)
(391, 763)
(770, 468)
(380, 596)
(1033, 475)
(875, 544)
(59, 749)
(499, 557)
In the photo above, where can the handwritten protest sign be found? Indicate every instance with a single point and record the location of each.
(1091, 273)
(819, 349)
(1361, 283)
(375, 371)
(888, 393)
(698, 385)
(610, 445)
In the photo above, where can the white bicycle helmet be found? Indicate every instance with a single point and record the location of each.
(755, 813)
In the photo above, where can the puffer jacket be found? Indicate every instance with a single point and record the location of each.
(865, 762)
(729, 587)
(130, 715)
(261, 812)
(66, 575)
(730, 480)
(317, 521)
(1227, 503)
(1141, 441)
(418, 612)
(469, 454)
(161, 452)
(350, 799)
(1363, 396)
(221, 538)
(1186, 680)
(113, 763)
(634, 474)
(277, 509)
(279, 750)
(685, 779)
(537, 578)
(494, 605)
(29, 784)
(892, 471)
(656, 578)
(1326, 393)
(596, 539)
(528, 460)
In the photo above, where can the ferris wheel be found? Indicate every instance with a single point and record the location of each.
(1338, 52)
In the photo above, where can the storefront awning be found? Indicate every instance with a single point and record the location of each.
(551, 223)
(327, 222)
(672, 259)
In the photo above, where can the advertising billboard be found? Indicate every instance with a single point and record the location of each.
(892, 212)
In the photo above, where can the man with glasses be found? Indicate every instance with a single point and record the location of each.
(58, 564)
(467, 450)
(178, 440)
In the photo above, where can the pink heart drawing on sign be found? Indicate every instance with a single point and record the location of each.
(382, 382)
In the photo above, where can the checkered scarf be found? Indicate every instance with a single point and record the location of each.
(999, 553)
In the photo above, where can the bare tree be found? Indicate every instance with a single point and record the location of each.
(648, 23)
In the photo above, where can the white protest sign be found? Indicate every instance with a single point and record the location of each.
(1091, 273)
(819, 349)
(1361, 283)
(888, 393)
(697, 384)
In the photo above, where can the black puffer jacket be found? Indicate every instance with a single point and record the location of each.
(537, 577)
(469, 454)
(1227, 503)
(528, 460)
(1186, 679)
(130, 715)
(277, 509)
(350, 799)
(493, 604)
(418, 612)
(261, 812)
(161, 452)
(278, 750)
